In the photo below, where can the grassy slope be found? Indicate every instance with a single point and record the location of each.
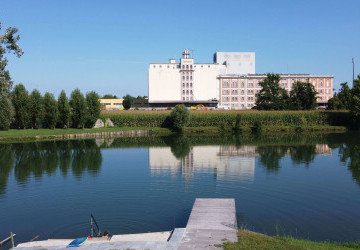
(251, 240)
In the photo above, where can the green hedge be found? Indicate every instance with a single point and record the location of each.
(248, 118)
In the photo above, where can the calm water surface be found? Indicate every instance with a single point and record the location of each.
(308, 185)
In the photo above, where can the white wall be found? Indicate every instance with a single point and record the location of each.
(206, 86)
(164, 83)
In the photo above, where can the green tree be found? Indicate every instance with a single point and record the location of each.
(128, 102)
(79, 108)
(355, 101)
(303, 96)
(64, 110)
(109, 96)
(8, 44)
(50, 111)
(6, 112)
(334, 104)
(179, 117)
(345, 95)
(94, 108)
(271, 96)
(20, 100)
(36, 109)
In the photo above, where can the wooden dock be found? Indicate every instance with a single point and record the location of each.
(212, 221)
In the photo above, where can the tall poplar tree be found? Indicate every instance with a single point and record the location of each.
(20, 100)
(78, 108)
(36, 109)
(50, 111)
(64, 110)
(93, 108)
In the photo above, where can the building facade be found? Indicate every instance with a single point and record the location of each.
(112, 104)
(229, 82)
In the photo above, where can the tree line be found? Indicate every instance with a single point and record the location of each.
(21, 110)
(273, 97)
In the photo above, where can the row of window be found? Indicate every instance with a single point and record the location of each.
(187, 77)
(187, 84)
(187, 91)
(235, 98)
(188, 98)
(235, 91)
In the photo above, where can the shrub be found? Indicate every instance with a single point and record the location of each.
(237, 127)
(6, 112)
(179, 117)
(127, 102)
(257, 128)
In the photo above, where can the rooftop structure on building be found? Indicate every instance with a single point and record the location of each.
(230, 81)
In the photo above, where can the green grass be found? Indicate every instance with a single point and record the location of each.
(252, 240)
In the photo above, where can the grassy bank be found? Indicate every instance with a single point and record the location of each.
(216, 118)
(251, 240)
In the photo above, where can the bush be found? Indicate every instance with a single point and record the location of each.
(6, 112)
(127, 102)
(257, 128)
(179, 117)
(237, 128)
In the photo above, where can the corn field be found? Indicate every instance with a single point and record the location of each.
(215, 118)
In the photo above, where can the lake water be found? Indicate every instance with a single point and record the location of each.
(307, 184)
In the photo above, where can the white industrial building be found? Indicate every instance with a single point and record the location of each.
(230, 81)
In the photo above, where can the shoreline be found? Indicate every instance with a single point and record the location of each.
(19, 135)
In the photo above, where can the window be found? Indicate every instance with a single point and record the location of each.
(258, 84)
(183, 77)
(250, 84)
(257, 91)
(190, 91)
(226, 84)
(183, 98)
(321, 91)
(242, 91)
(250, 91)
(250, 98)
(242, 98)
(187, 84)
(234, 84)
(187, 98)
(226, 99)
(183, 91)
(187, 77)
(321, 84)
(190, 66)
(284, 84)
(154, 66)
(226, 92)
(242, 84)
(208, 66)
(190, 77)
(183, 84)
(234, 98)
(168, 66)
(183, 66)
(187, 91)
(187, 66)
(191, 84)
(234, 92)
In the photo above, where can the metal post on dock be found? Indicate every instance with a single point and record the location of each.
(12, 239)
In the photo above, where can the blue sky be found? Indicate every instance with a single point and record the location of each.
(106, 46)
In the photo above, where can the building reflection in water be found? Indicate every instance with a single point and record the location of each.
(227, 162)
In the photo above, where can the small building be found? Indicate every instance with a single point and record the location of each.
(111, 104)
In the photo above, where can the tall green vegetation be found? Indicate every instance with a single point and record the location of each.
(79, 108)
(128, 102)
(345, 95)
(179, 117)
(355, 100)
(20, 100)
(303, 96)
(271, 96)
(109, 96)
(94, 108)
(6, 111)
(36, 109)
(64, 111)
(50, 111)
(8, 44)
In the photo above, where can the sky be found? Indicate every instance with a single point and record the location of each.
(106, 46)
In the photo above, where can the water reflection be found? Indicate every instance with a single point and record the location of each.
(233, 157)
(39, 158)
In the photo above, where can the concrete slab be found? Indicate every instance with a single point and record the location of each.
(211, 222)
